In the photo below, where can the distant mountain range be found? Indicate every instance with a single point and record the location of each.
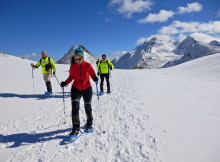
(88, 57)
(192, 49)
(156, 53)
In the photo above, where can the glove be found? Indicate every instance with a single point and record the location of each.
(63, 84)
(54, 73)
(110, 68)
(98, 73)
(96, 79)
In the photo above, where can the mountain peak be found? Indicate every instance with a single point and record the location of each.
(189, 40)
(214, 43)
(154, 39)
(66, 58)
(184, 45)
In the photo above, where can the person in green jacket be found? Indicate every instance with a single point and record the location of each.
(103, 70)
(47, 65)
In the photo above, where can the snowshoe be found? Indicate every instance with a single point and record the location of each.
(89, 128)
(48, 94)
(75, 133)
(101, 93)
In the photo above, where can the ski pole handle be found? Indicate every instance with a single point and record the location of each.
(97, 90)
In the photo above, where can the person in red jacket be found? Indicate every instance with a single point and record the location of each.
(80, 71)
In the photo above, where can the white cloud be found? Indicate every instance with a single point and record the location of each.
(204, 32)
(170, 29)
(31, 55)
(191, 7)
(162, 16)
(118, 53)
(34, 54)
(204, 38)
(108, 20)
(211, 27)
(141, 40)
(178, 27)
(181, 37)
(129, 7)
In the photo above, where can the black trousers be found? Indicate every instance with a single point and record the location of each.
(75, 97)
(104, 76)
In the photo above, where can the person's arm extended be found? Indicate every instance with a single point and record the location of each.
(37, 65)
(111, 65)
(71, 77)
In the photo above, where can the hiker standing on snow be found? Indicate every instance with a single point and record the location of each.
(47, 64)
(103, 70)
(80, 71)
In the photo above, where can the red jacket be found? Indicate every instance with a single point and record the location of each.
(80, 73)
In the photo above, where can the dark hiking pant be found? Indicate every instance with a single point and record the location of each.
(75, 97)
(106, 76)
(49, 87)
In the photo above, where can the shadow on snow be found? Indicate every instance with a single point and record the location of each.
(37, 96)
(22, 139)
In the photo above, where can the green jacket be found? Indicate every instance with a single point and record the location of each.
(103, 66)
(44, 62)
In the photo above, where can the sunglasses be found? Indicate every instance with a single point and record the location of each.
(78, 59)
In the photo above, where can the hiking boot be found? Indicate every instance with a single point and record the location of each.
(89, 127)
(75, 132)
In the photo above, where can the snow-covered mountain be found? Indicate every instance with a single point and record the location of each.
(152, 54)
(214, 43)
(114, 60)
(184, 45)
(192, 49)
(157, 53)
(66, 58)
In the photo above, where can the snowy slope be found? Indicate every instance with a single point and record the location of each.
(157, 115)
(152, 54)
(66, 58)
(183, 104)
(32, 127)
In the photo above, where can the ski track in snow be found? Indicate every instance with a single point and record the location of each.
(127, 136)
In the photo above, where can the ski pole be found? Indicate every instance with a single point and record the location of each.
(110, 73)
(99, 104)
(33, 79)
(97, 89)
(57, 80)
(64, 107)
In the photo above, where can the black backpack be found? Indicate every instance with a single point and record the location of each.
(47, 66)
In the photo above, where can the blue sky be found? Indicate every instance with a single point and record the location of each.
(102, 26)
